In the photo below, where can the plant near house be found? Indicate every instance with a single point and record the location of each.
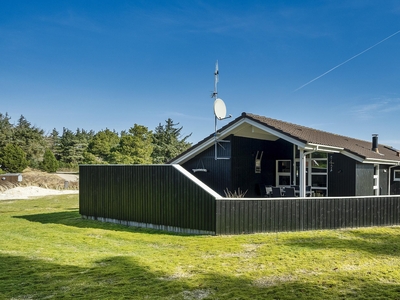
(235, 194)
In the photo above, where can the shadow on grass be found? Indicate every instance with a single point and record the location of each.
(126, 278)
(377, 243)
(73, 218)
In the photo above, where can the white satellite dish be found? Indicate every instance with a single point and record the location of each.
(219, 109)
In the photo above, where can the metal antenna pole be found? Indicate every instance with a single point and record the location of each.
(215, 96)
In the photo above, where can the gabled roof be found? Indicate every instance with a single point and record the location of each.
(304, 137)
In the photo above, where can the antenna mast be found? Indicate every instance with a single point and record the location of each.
(216, 75)
(219, 112)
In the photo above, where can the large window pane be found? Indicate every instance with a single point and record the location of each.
(318, 180)
(318, 165)
(319, 155)
(284, 166)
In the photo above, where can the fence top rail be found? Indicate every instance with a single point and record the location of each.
(307, 198)
(197, 181)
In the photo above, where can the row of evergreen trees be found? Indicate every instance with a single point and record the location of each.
(23, 145)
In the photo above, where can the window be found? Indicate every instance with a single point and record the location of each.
(396, 175)
(316, 172)
(283, 172)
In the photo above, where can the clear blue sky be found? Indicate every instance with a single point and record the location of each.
(111, 64)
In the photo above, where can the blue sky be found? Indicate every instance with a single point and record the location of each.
(111, 64)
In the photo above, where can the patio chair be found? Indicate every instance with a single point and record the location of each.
(268, 190)
(289, 192)
(309, 192)
(276, 192)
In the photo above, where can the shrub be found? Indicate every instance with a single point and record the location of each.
(49, 163)
(13, 159)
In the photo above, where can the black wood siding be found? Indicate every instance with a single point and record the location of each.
(341, 176)
(394, 185)
(146, 194)
(218, 175)
(297, 214)
(239, 171)
(383, 179)
(244, 151)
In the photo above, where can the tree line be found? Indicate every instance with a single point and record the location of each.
(25, 145)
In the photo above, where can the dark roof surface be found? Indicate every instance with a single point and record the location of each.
(306, 135)
(314, 136)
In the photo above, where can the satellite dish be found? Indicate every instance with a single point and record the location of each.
(219, 109)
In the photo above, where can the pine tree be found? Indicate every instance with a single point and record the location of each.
(102, 143)
(168, 142)
(135, 147)
(6, 130)
(31, 140)
(13, 158)
(49, 163)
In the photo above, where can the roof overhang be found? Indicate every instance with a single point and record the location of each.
(381, 161)
(242, 128)
(376, 161)
(249, 128)
(323, 148)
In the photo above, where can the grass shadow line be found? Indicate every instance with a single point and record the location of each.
(74, 219)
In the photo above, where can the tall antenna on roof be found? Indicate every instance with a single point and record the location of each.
(216, 75)
(219, 112)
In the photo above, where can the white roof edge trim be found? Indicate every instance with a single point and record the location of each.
(197, 181)
(196, 150)
(276, 133)
(353, 156)
(326, 147)
(377, 160)
(227, 131)
(371, 160)
(207, 143)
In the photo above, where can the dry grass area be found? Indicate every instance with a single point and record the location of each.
(31, 177)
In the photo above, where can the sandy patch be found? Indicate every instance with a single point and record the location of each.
(68, 177)
(32, 192)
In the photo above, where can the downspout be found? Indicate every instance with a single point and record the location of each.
(302, 175)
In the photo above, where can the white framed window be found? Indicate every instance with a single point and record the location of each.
(283, 172)
(396, 175)
(316, 172)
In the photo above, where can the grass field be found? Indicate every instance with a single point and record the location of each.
(48, 252)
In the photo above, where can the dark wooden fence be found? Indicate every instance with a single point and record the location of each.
(238, 216)
(157, 196)
(168, 197)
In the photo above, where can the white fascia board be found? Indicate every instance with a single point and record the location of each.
(371, 160)
(223, 134)
(193, 152)
(381, 161)
(325, 148)
(205, 145)
(353, 156)
(276, 133)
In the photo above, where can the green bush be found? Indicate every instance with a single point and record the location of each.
(49, 163)
(13, 159)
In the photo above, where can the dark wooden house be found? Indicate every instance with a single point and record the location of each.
(252, 152)
(354, 183)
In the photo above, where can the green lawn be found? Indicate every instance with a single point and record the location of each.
(48, 252)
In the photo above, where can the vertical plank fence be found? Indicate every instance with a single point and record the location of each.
(154, 196)
(167, 197)
(242, 216)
